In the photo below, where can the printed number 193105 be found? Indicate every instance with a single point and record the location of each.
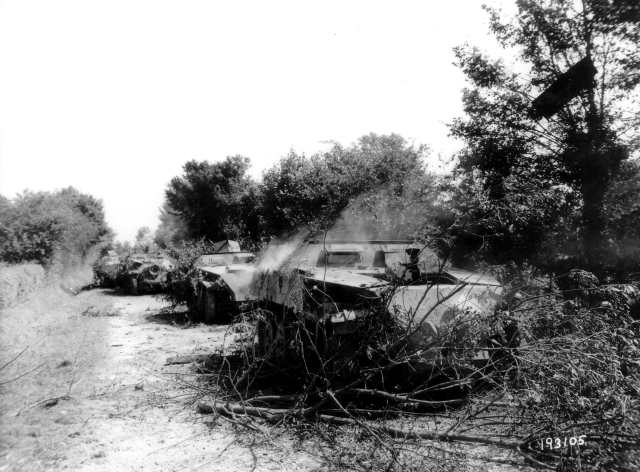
(558, 443)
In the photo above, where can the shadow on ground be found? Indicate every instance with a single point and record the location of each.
(119, 292)
(171, 317)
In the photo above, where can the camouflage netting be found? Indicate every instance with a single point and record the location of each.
(281, 287)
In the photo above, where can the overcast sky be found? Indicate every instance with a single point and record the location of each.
(112, 97)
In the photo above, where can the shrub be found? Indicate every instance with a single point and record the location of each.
(43, 226)
(579, 367)
(182, 288)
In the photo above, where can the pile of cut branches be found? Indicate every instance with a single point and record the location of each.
(369, 378)
(575, 373)
(578, 373)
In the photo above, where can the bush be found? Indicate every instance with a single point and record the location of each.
(181, 288)
(47, 227)
(579, 367)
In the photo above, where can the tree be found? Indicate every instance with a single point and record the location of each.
(144, 240)
(622, 208)
(210, 198)
(172, 228)
(313, 191)
(584, 144)
(36, 226)
(123, 248)
(411, 211)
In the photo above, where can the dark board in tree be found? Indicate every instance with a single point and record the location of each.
(567, 86)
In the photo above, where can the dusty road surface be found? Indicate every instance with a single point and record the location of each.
(85, 387)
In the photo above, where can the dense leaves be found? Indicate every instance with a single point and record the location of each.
(622, 208)
(314, 191)
(211, 198)
(39, 226)
(509, 155)
(219, 201)
(579, 365)
(182, 285)
(526, 225)
(172, 229)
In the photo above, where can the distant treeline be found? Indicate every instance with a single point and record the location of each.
(379, 187)
(220, 201)
(51, 227)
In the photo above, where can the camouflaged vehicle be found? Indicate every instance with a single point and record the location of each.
(222, 283)
(338, 281)
(144, 273)
(105, 270)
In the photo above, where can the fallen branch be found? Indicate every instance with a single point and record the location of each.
(404, 434)
(273, 399)
(398, 398)
(188, 359)
(14, 358)
(24, 374)
(273, 415)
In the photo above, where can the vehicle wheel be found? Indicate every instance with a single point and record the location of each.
(209, 305)
(272, 337)
(197, 305)
(99, 281)
(132, 285)
(265, 337)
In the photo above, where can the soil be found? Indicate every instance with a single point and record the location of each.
(104, 400)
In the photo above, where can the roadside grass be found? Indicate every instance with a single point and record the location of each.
(46, 346)
(18, 281)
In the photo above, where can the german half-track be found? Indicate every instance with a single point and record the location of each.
(338, 282)
(222, 283)
(105, 270)
(144, 273)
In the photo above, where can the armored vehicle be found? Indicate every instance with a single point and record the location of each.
(144, 273)
(105, 270)
(339, 281)
(222, 282)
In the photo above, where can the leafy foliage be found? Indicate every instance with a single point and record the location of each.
(314, 191)
(529, 224)
(212, 200)
(582, 146)
(219, 201)
(622, 209)
(182, 278)
(409, 209)
(144, 240)
(38, 226)
(579, 364)
(171, 230)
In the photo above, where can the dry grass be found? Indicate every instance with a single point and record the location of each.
(101, 398)
(46, 346)
(17, 282)
(20, 282)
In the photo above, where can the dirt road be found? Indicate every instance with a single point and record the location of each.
(90, 391)
(84, 386)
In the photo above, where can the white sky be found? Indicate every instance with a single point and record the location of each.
(113, 96)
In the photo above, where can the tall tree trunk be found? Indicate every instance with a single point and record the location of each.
(593, 220)
(594, 179)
